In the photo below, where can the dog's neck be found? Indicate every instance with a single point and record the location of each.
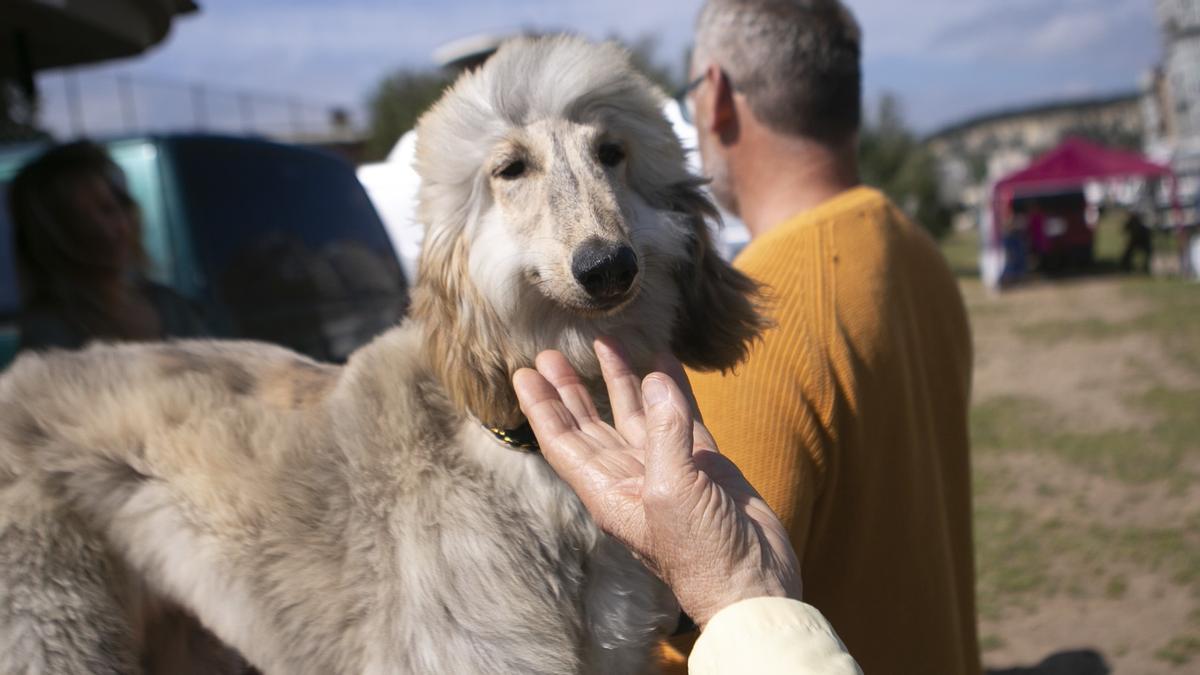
(474, 352)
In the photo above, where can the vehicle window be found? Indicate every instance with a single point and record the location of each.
(138, 161)
(290, 244)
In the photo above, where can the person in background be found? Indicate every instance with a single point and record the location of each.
(657, 482)
(80, 261)
(850, 415)
(1016, 247)
(1138, 239)
(1039, 241)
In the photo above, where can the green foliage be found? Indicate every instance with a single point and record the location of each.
(1179, 650)
(396, 104)
(892, 158)
(962, 252)
(1109, 135)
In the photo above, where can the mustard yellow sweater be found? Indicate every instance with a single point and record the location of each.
(851, 418)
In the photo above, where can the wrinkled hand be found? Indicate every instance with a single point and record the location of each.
(657, 482)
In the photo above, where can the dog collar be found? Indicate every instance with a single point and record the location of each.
(520, 438)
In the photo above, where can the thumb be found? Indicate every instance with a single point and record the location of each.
(668, 431)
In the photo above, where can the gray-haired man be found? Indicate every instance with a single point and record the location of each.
(850, 416)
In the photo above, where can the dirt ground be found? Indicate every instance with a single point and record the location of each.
(1086, 435)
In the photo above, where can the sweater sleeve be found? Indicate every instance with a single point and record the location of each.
(770, 636)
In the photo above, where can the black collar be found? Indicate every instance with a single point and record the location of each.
(520, 438)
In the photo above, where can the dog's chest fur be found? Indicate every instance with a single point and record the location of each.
(491, 564)
(498, 568)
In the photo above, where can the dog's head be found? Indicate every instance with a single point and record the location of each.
(558, 207)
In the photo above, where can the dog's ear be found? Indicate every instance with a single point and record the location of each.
(720, 316)
(466, 352)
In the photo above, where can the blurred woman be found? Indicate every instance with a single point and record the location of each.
(79, 256)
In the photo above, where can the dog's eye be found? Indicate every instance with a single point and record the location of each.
(610, 154)
(514, 169)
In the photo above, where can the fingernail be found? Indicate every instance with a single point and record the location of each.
(654, 391)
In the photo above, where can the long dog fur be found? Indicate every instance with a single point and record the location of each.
(323, 519)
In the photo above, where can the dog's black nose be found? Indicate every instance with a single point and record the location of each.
(605, 270)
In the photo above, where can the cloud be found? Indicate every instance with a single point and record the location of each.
(962, 58)
(1036, 30)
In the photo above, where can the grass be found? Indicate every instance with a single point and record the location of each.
(1024, 558)
(1180, 650)
(1012, 569)
(962, 252)
(1060, 539)
(1062, 330)
(1160, 453)
(1116, 587)
(990, 643)
(1172, 315)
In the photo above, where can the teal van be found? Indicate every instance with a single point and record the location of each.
(269, 242)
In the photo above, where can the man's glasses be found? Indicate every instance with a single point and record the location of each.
(686, 107)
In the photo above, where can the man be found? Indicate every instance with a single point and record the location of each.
(850, 415)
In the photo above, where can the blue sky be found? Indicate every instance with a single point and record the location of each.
(945, 58)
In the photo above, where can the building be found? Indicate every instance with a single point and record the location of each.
(974, 153)
(1171, 102)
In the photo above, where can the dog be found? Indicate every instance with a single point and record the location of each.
(371, 518)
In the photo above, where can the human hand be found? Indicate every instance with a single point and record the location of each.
(657, 482)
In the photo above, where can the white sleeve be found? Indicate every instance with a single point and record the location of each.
(770, 636)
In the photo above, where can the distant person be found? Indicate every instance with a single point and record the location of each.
(1138, 240)
(1039, 241)
(850, 416)
(79, 255)
(1016, 246)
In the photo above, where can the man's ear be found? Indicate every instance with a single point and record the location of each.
(723, 118)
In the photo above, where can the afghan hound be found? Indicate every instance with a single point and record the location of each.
(382, 516)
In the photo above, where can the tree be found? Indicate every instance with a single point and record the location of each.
(1110, 135)
(396, 104)
(893, 160)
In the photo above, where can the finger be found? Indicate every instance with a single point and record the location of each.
(668, 433)
(541, 405)
(563, 444)
(665, 362)
(624, 390)
(702, 438)
(559, 373)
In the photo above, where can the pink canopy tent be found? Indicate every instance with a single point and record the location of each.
(1072, 164)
